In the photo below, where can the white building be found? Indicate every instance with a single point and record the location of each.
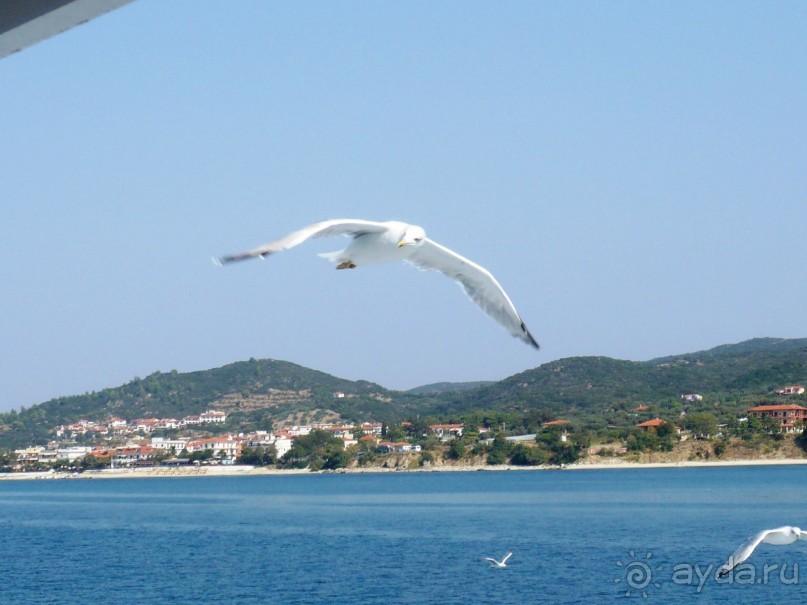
(401, 447)
(168, 423)
(283, 443)
(72, 453)
(224, 443)
(372, 428)
(447, 431)
(163, 443)
(212, 416)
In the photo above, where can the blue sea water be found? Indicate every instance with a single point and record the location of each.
(600, 536)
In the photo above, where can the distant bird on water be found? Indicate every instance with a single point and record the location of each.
(499, 564)
(780, 535)
(382, 242)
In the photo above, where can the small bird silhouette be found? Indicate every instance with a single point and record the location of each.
(499, 564)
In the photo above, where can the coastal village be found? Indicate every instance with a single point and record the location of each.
(141, 450)
(121, 443)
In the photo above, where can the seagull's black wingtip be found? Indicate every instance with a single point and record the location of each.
(528, 337)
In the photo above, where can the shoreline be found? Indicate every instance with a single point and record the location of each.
(252, 471)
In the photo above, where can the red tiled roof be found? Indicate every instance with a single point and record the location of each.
(777, 408)
(651, 423)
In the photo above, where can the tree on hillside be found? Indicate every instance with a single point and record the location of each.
(456, 449)
(499, 450)
(201, 456)
(259, 456)
(318, 450)
(90, 462)
(522, 455)
(417, 428)
(7, 460)
(395, 433)
(703, 424)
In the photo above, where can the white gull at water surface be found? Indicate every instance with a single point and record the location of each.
(499, 564)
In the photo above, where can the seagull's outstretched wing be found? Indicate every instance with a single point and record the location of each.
(491, 560)
(742, 553)
(339, 226)
(478, 283)
(507, 556)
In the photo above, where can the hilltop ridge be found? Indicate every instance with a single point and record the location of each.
(260, 394)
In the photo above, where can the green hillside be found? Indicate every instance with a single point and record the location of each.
(729, 377)
(598, 391)
(254, 393)
(448, 387)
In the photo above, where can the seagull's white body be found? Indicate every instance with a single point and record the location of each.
(779, 536)
(383, 242)
(499, 564)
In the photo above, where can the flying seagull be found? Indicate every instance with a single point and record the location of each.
(382, 242)
(499, 564)
(780, 535)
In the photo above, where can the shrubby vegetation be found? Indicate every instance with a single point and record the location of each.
(7, 460)
(259, 456)
(319, 450)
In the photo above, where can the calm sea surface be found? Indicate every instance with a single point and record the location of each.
(644, 536)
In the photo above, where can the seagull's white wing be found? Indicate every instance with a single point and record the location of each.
(507, 556)
(742, 553)
(478, 283)
(491, 560)
(339, 226)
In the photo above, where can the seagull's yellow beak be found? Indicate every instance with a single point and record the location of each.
(402, 244)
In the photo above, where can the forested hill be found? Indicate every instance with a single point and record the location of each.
(729, 376)
(253, 393)
(259, 393)
(448, 387)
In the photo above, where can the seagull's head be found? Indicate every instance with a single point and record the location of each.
(413, 236)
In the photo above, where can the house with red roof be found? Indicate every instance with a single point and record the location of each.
(370, 439)
(558, 422)
(650, 424)
(226, 443)
(134, 456)
(790, 417)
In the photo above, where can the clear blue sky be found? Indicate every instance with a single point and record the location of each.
(633, 173)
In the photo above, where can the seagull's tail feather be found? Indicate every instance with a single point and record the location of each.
(334, 257)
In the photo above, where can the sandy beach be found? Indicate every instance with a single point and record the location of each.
(243, 470)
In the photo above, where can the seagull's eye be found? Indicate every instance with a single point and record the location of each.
(417, 239)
